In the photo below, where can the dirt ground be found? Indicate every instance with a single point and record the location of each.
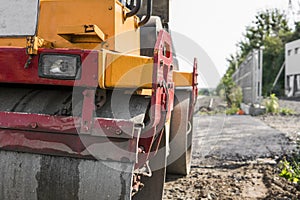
(237, 158)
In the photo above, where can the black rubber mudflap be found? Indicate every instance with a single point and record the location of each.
(39, 177)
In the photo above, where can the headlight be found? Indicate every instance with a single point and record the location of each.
(59, 66)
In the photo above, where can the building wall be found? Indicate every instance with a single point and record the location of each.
(292, 68)
(292, 54)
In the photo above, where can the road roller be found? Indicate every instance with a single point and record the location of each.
(92, 102)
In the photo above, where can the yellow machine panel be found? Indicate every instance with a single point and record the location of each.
(125, 71)
(129, 71)
(97, 19)
(183, 79)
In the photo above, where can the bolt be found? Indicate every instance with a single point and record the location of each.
(161, 63)
(171, 67)
(141, 149)
(85, 127)
(34, 125)
(118, 132)
(110, 8)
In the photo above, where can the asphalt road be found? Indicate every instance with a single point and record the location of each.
(218, 139)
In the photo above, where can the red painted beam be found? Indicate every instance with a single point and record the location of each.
(13, 59)
(68, 145)
(112, 128)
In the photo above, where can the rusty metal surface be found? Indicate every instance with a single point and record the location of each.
(39, 122)
(69, 145)
(66, 125)
(40, 177)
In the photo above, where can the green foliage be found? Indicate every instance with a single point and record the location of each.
(204, 92)
(226, 87)
(269, 30)
(268, 23)
(236, 96)
(273, 59)
(287, 111)
(296, 34)
(221, 93)
(272, 105)
(227, 83)
(232, 110)
(290, 170)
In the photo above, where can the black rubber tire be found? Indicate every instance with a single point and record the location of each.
(179, 160)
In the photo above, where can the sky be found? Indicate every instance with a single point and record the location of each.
(216, 26)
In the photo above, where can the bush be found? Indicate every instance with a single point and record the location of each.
(290, 170)
(222, 94)
(272, 105)
(232, 111)
(287, 111)
(236, 96)
(204, 92)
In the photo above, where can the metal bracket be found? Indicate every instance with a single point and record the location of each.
(33, 43)
(90, 33)
(87, 112)
(194, 93)
(162, 95)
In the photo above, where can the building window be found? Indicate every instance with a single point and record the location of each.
(289, 52)
(296, 50)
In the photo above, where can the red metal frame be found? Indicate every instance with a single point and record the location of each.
(56, 135)
(61, 136)
(194, 94)
(66, 125)
(68, 145)
(76, 136)
(162, 97)
(13, 60)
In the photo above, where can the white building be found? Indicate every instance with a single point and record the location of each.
(292, 68)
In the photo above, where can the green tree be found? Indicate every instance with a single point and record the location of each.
(269, 30)
(227, 84)
(273, 59)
